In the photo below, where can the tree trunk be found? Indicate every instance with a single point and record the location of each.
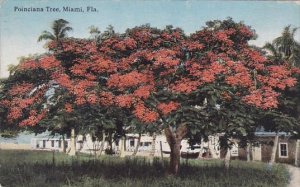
(138, 145)
(175, 157)
(248, 152)
(227, 159)
(152, 153)
(63, 144)
(122, 147)
(174, 138)
(274, 149)
(102, 144)
(211, 149)
(72, 151)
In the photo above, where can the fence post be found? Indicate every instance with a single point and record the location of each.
(161, 154)
(297, 155)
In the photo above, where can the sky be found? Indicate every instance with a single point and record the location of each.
(19, 30)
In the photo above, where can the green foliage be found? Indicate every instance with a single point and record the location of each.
(286, 118)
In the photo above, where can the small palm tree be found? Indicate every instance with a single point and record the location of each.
(59, 31)
(285, 47)
(95, 32)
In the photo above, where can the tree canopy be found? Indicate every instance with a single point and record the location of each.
(197, 85)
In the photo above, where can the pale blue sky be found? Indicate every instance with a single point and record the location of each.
(20, 30)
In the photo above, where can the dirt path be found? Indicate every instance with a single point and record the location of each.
(295, 176)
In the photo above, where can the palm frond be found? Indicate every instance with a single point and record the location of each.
(63, 32)
(46, 35)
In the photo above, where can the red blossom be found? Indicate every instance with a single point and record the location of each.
(21, 89)
(145, 114)
(68, 108)
(167, 108)
(124, 101)
(106, 98)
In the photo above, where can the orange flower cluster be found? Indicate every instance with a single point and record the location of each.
(126, 44)
(68, 107)
(80, 69)
(167, 108)
(101, 65)
(173, 36)
(20, 89)
(63, 80)
(165, 58)
(145, 114)
(143, 92)
(80, 100)
(78, 46)
(6, 103)
(28, 65)
(106, 98)
(185, 85)
(14, 113)
(245, 31)
(33, 119)
(124, 101)
(280, 83)
(131, 79)
(222, 36)
(255, 59)
(264, 98)
(142, 35)
(194, 46)
(92, 99)
(48, 62)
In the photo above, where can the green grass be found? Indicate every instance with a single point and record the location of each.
(36, 169)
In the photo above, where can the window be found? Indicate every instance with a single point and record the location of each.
(52, 143)
(234, 150)
(146, 144)
(283, 150)
(59, 143)
(131, 143)
(44, 143)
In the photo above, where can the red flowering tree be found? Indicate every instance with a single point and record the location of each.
(166, 76)
(185, 85)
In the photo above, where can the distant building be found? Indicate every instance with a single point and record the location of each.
(288, 150)
(86, 145)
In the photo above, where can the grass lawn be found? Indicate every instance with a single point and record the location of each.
(36, 169)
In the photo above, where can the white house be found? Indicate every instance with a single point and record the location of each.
(86, 145)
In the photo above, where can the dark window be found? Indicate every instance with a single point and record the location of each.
(52, 143)
(131, 143)
(283, 150)
(59, 143)
(44, 143)
(147, 144)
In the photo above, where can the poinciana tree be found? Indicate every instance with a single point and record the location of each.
(159, 77)
(166, 76)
